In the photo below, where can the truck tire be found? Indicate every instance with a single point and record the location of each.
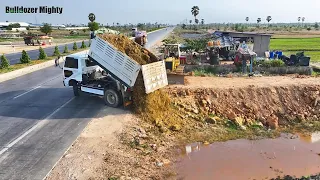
(112, 98)
(76, 91)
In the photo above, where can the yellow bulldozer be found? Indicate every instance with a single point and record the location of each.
(173, 58)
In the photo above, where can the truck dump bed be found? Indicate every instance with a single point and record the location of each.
(125, 69)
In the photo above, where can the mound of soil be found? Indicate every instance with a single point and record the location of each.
(130, 48)
(272, 106)
(154, 107)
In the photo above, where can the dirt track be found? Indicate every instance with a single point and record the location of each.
(240, 82)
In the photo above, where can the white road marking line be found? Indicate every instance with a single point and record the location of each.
(39, 124)
(34, 88)
(26, 92)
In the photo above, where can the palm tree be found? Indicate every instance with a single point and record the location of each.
(269, 18)
(196, 21)
(247, 19)
(195, 11)
(303, 19)
(258, 21)
(299, 19)
(202, 21)
(190, 21)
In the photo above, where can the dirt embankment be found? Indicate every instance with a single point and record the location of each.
(272, 101)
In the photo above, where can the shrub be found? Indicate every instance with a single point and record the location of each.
(273, 63)
(75, 47)
(83, 45)
(56, 51)
(42, 54)
(277, 63)
(25, 57)
(4, 62)
(66, 50)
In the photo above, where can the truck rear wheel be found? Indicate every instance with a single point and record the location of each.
(112, 98)
(76, 91)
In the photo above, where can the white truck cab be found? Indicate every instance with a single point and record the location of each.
(85, 76)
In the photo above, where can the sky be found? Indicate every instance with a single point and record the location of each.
(165, 11)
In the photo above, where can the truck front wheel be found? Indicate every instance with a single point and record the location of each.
(76, 90)
(112, 98)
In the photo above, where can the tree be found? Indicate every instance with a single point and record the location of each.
(42, 54)
(14, 25)
(195, 12)
(316, 25)
(184, 26)
(93, 26)
(75, 47)
(66, 50)
(269, 18)
(309, 29)
(196, 21)
(25, 57)
(303, 19)
(247, 19)
(190, 21)
(258, 20)
(56, 51)
(84, 30)
(140, 26)
(28, 28)
(4, 62)
(46, 28)
(202, 21)
(83, 45)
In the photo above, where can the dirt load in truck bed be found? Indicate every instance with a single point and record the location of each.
(153, 107)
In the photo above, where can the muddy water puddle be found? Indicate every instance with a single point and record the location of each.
(294, 155)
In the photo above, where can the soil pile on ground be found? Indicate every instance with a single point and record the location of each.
(154, 107)
(272, 106)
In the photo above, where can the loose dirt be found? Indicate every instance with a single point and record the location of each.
(115, 146)
(273, 101)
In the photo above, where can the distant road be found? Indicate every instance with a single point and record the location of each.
(14, 58)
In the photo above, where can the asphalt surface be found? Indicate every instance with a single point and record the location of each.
(40, 119)
(14, 58)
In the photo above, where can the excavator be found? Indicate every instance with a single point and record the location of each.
(173, 59)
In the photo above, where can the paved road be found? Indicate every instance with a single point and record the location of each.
(14, 58)
(40, 119)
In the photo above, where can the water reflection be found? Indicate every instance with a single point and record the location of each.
(295, 155)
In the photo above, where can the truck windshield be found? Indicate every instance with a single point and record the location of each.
(71, 63)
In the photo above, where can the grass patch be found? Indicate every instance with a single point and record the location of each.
(33, 62)
(311, 46)
(76, 37)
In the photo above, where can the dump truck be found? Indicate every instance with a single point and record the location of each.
(105, 71)
(141, 38)
(31, 40)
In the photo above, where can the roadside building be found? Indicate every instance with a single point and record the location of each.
(261, 42)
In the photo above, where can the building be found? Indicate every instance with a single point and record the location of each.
(6, 24)
(261, 42)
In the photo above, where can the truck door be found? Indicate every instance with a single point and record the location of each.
(72, 71)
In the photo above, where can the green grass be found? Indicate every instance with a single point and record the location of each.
(10, 39)
(76, 37)
(289, 46)
(34, 62)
